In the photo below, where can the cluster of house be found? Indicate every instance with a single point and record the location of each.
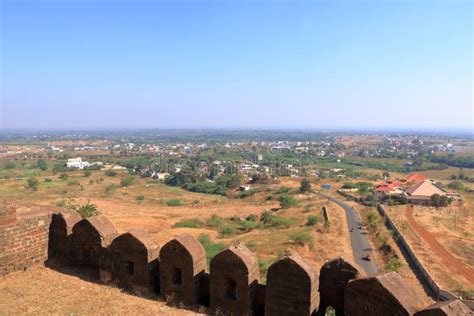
(415, 188)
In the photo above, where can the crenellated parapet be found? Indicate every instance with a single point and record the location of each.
(177, 270)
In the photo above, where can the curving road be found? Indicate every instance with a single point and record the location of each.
(359, 240)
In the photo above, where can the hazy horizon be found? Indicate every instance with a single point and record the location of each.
(309, 65)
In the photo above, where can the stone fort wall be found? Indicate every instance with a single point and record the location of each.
(177, 270)
(23, 238)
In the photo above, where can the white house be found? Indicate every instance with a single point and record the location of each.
(77, 163)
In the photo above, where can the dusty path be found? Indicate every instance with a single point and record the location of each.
(451, 262)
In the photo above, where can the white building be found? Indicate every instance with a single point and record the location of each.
(77, 163)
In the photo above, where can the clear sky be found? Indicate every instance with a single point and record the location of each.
(236, 64)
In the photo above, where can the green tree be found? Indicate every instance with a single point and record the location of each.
(287, 201)
(32, 184)
(42, 165)
(436, 200)
(455, 185)
(305, 186)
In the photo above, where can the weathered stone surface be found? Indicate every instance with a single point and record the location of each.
(291, 287)
(7, 215)
(182, 268)
(447, 308)
(333, 277)
(383, 294)
(60, 233)
(24, 235)
(233, 281)
(90, 239)
(134, 256)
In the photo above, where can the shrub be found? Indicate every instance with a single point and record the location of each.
(252, 218)
(456, 186)
(247, 226)
(174, 202)
(263, 265)
(227, 230)
(301, 238)
(110, 189)
(140, 198)
(282, 190)
(9, 165)
(266, 217)
(246, 194)
(215, 221)
(60, 167)
(73, 183)
(87, 210)
(312, 220)
(87, 173)
(63, 176)
(394, 264)
(110, 173)
(42, 165)
(282, 222)
(48, 180)
(32, 184)
(205, 187)
(188, 223)
(125, 182)
(287, 201)
(372, 219)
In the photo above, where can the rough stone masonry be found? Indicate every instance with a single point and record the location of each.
(31, 234)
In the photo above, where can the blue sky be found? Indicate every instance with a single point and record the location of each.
(236, 64)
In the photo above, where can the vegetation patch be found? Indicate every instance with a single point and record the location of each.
(174, 202)
(189, 223)
(287, 201)
(313, 220)
(128, 181)
(301, 238)
(212, 248)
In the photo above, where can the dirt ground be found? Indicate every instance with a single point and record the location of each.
(44, 291)
(154, 214)
(439, 245)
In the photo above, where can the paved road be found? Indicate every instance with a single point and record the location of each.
(359, 240)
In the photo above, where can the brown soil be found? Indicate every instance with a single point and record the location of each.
(43, 291)
(452, 263)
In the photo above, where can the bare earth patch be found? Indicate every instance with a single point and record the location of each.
(43, 291)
